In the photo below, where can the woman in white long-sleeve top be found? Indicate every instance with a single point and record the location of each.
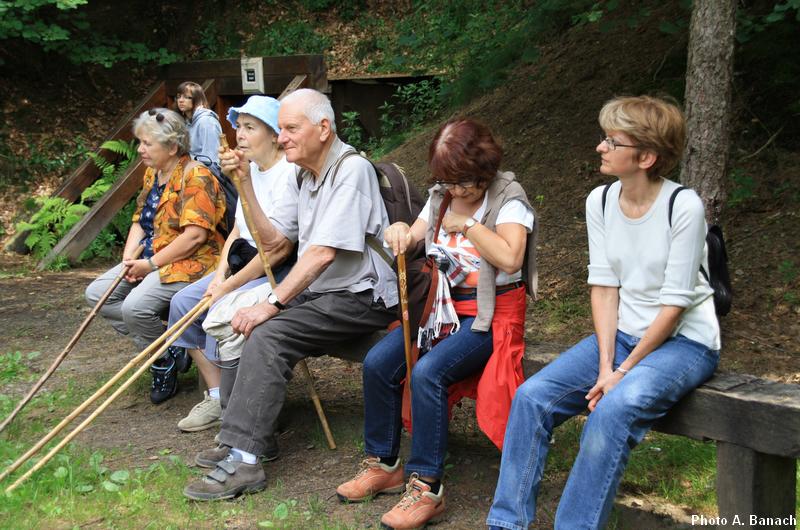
(656, 334)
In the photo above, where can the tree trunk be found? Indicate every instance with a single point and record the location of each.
(709, 74)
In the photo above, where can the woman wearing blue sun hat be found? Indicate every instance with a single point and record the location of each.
(262, 164)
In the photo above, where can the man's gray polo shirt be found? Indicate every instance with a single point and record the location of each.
(339, 213)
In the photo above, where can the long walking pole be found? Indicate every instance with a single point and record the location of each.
(195, 313)
(191, 314)
(402, 279)
(251, 226)
(93, 313)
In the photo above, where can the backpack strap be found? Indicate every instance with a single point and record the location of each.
(672, 202)
(669, 216)
(605, 196)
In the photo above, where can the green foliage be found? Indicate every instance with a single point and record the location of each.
(12, 364)
(287, 38)
(352, 132)
(58, 26)
(43, 157)
(742, 187)
(56, 216)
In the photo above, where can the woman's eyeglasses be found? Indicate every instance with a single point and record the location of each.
(159, 116)
(613, 144)
(466, 184)
(184, 96)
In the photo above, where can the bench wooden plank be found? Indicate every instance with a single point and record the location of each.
(734, 408)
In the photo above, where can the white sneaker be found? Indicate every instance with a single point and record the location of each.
(204, 415)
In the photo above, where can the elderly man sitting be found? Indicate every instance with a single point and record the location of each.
(338, 290)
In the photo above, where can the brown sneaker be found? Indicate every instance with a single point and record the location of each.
(417, 507)
(374, 478)
(230, 478)
(209, 458)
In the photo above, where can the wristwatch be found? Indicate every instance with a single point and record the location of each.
(273, 299)
(468, 224)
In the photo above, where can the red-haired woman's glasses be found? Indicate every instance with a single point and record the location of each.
(613, 144)
(466, 184)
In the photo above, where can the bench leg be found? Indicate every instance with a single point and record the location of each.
(754, 490)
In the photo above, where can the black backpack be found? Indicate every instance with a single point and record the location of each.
(719, 279)
(231, 195)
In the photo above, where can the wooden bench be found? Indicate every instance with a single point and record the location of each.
(755, 424)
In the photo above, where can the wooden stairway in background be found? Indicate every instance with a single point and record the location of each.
(221, 80)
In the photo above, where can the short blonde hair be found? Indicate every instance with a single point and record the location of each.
(653, 124)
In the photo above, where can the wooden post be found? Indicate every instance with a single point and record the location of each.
(754, 490)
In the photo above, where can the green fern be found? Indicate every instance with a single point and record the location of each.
(127, 150)
(56, 216)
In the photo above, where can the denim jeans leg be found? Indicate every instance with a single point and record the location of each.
(544, 401)
(455, 358)
(620, 421)
(183, 301)
(383, 369)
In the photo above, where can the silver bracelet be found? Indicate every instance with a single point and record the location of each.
(152, 265)
(622, 370)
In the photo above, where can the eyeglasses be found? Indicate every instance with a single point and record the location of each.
(158, 115)
(466, 184)
(184, 96)
(613, 144)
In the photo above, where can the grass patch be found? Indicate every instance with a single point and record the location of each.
(13, 365)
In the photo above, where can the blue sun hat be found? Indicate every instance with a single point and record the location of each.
(264, 108)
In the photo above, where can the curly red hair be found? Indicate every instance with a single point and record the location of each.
(462, 150)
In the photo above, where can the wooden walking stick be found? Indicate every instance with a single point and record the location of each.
(251, 226)
(191, 314)
(61, 356)
(195, 313)
(402, 280)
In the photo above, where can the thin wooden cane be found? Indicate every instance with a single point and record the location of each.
(402, 280)
(71, 344)
(251, 226)
(102, 390)
(196, 312)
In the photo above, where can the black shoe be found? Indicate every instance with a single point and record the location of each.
(183, 361)
(165, 380)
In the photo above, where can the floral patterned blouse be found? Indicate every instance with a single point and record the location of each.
(193, 198)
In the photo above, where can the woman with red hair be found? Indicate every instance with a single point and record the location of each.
(484, 250)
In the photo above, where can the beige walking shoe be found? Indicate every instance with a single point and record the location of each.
(374, 478)
(417, 507)
(204, 415)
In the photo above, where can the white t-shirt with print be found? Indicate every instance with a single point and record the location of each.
(461, 247)
(270, 186)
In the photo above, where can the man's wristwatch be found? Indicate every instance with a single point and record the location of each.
(468, 224)
(272, 299)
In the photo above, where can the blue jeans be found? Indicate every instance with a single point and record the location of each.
(453, 359)
(184, 300)
(619, 422)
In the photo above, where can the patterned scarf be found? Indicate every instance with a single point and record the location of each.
(443, 319)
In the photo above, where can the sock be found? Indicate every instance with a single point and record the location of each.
(213, 393)
(435, 485)
(389, 460)
(247, 458)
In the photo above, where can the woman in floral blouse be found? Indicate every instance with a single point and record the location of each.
(176, 216)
